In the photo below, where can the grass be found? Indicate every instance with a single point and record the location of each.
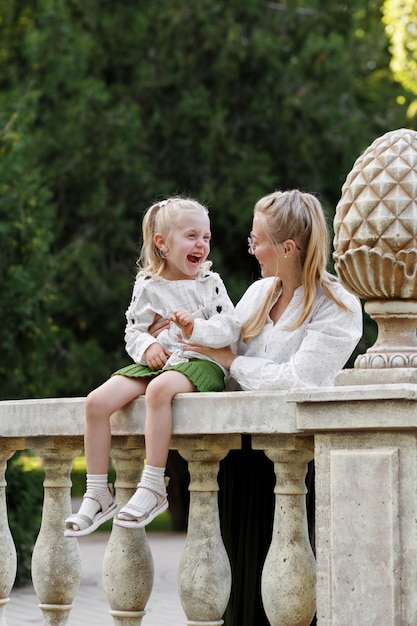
(32, 463)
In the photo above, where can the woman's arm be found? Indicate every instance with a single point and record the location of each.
(222, 356)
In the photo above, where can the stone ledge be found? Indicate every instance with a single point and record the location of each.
(209, 413)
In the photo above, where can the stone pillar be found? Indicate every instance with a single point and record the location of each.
(289, 574)
(128, 568)
(56, 560)
(366, 502)
(204, 571)
(365, 429)
(8, 558)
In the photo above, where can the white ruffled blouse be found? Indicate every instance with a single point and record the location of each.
(308, 356)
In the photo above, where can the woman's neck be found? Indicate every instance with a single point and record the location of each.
(288, 288)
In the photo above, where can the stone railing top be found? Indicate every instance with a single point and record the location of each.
(237, 412)
(362, 407)
(209, 413)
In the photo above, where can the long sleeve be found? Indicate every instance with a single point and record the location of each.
(139, 316)
(220, 326)
(310, 355)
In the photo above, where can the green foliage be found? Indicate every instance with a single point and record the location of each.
(400, 17)
(24, 500)
(27, 328)
(106, 107)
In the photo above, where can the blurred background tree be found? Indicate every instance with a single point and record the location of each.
(400, 18)
(105, 107)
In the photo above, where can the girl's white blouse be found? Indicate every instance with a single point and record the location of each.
(215, 321)
(307, 356)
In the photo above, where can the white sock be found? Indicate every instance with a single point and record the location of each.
(143, 499)
(153, 477)
(96, 485)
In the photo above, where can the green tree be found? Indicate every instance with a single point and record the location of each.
(133, 101)
(400, 17)
(27, 337)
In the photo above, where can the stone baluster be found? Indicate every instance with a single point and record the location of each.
(8, 558)
(289, 573)
(128, 568)
(204, 572)
(56, 560)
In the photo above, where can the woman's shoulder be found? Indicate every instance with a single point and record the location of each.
(254, 294)
(260, 286)
(340, 292)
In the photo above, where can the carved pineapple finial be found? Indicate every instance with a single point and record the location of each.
(376, 245)
(376, 220)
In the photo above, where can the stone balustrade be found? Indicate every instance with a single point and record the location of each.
(206, 427)
(364, 438)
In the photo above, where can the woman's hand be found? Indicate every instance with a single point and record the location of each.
(184, 320)
(158, 325)
(156, 356)
(222, 356)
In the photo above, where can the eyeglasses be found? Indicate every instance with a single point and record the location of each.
(252, 244)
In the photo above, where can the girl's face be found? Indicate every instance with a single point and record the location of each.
(187, 247)
(267, 254)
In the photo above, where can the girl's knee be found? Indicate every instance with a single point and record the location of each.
(157, 390)
(93, 404)
(164, 387)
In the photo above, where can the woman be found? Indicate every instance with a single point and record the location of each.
(300, 335)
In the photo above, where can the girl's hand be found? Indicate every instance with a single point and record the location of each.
(222, 356)
(156, 356)
(184, 320)
(158, 325)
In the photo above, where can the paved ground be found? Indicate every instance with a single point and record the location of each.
(90, 604)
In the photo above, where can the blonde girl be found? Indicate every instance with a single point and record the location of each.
(174, 282)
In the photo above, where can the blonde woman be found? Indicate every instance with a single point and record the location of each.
(174, 282)
(299, 327)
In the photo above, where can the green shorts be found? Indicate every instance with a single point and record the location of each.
(205, 375)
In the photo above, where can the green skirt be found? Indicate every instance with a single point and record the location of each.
(205, 375)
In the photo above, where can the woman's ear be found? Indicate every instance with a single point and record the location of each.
(289, 247)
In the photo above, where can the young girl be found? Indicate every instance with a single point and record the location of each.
(174, 282)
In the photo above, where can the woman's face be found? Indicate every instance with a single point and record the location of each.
(267, 253)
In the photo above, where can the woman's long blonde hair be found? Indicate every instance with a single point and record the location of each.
(298, 216)
(163, 217)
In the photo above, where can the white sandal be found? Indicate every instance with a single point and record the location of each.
(134, 517)
(85, 524)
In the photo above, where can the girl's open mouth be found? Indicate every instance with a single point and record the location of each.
(192, 258)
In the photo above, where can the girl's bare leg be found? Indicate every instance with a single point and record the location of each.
(98, 505)
(150, 497)
(101, 403)
(158, 424)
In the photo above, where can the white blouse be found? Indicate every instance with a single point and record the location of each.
(307, 356)
(215, 321)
